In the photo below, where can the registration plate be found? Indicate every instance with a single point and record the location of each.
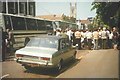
(33, 65)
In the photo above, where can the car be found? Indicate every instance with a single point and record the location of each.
(46, 51)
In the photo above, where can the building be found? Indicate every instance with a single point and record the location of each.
(73, 10)
(18, 7)
(83, 24)
(51, 17)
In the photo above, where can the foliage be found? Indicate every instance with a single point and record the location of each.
(68, 19)
(107, 12)
(90, 26)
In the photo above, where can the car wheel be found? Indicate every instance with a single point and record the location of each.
(27, 67)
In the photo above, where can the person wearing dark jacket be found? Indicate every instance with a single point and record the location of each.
(4, 47)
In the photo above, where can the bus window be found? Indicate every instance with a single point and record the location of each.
(48, 25)
(7, 21)
(41, 25)
(31, 24)
(18, 23)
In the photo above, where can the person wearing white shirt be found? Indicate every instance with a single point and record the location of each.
(89, 39)
(95, 39)
(104, 38)
(100, 39)
(78, 39)
(110, 40)
(58, 32)
(69, 33)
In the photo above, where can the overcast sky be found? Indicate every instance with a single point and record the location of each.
(63, 7)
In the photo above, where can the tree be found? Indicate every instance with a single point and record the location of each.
(108, 12)
(68, 19)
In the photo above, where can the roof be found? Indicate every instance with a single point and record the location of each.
(49, 36)
(51, 17)
(85, 21)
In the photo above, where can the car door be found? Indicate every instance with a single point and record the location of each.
(70, 51)
(64, 49)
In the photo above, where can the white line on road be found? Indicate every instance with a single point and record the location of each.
(5, 76)
(80, 57)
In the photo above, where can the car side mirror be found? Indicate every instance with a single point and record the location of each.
(27, 39)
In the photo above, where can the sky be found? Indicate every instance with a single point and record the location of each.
(63, 7)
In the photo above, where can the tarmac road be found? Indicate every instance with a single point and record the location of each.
(96, 64)
(89, 64)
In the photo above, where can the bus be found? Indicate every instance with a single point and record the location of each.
(28, 26)
(25, 26)
(64, 25)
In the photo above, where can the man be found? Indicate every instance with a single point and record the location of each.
(100, 39)
(10, 41)
(69, 33)
(118, 45)
(4, 47)
(89, 39)
(78, 39)
(95, 39)
(115, 37)
(63, 34)
(104, 38)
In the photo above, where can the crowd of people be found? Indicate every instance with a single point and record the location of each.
(92, 39)
(83, 39)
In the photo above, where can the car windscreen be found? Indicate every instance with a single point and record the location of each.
(43, 42)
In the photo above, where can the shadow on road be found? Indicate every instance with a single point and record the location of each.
(52, 72)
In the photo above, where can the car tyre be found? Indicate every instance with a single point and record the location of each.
(27, 67)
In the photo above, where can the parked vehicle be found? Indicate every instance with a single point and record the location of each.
(46, 51)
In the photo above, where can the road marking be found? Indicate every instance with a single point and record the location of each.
(80, 57)
(5, 76)
(84, 55)
(59, 75)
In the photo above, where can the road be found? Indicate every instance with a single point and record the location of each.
(96, 64)
(89, 64)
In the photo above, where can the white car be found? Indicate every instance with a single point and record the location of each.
(45, 51)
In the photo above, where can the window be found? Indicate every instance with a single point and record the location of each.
(18, 23)
(43, 42)
(41, 25)
(7, 21)
(48, 25)
(31, 24)
(64, 43)
(22, 7)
